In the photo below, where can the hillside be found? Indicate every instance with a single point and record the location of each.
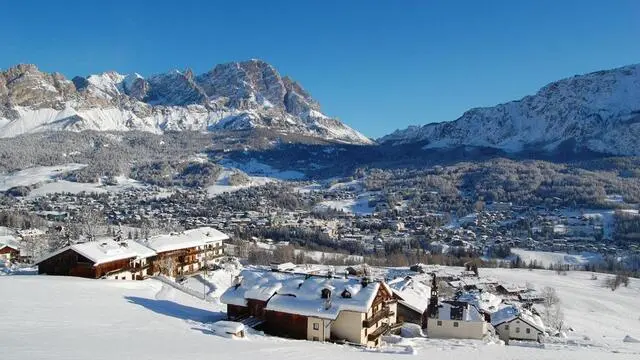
(596, 113)
(102, 319)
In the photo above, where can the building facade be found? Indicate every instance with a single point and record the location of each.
(107, 259)
(172, 255)
(313, 307)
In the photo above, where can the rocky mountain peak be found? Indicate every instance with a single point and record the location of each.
(237, 95)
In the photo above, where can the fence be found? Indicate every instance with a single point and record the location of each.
(183, 288)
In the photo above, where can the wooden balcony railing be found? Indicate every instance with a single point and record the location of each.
(383, 313)
(378, 332)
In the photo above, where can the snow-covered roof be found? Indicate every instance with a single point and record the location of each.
(9, 241)
(513, 288)
(482, 300)
(300, 294)
(510, 313)
(184, 240)
(412, 293)
(106, 250)
(258, 285)
(230, 327)
(469, 313)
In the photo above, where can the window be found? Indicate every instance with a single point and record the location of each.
(506, 327)
(315, 338)
(316, 326)
(455, 324)
(517, 330)
(439, 323)
(366, 331)
(528, 331)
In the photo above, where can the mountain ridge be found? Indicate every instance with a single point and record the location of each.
(598, 111)
(232, 96)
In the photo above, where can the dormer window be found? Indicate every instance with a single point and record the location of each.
(346, 294)
(325, 293)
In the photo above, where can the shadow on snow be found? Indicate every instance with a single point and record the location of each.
(179, 311)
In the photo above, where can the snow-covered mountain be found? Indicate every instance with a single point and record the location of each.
(233, 96)
(597, 112)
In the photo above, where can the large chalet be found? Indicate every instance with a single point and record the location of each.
(172, 255)
(185, 252)
(313, 307)
(106, 258)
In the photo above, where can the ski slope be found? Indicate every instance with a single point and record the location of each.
(46, 317)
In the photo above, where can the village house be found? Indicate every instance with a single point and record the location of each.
(458, 320)
(453, 319)
(317, 308)
(106, 258)
(186, 252)
(412, 297)
(517, 324)
(9, 249)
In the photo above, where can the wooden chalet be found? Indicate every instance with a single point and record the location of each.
(173, 254)
(312, 307)
(107, 258)
(186, 252)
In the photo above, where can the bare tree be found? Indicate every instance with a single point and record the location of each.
(87, 225)
(167, 266)
(558, 318)
(35, 247)
(614, 282)
(553, 314)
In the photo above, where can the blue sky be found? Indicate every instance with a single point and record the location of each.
(376, 65)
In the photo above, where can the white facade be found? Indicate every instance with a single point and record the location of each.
(518, 329)
(456, 329)
(457, 321)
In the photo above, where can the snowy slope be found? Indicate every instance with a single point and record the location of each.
(599, 111)
(222, 184)
(240, 96)
(546, 259)
(46, 317)
(35, 175)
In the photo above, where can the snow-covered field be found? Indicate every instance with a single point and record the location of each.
(45, 317)
(35, 175)
(545, 258)
(47, 181)
(358, 206)
(64, 186)
(256, 168)
(222, 184)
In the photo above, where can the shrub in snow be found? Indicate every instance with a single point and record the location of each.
(614, 282)
(409, 330)
(630, 339)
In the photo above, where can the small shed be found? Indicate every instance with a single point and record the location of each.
(228, 329)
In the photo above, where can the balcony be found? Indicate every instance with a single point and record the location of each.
(378, 332)
(382, 314)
